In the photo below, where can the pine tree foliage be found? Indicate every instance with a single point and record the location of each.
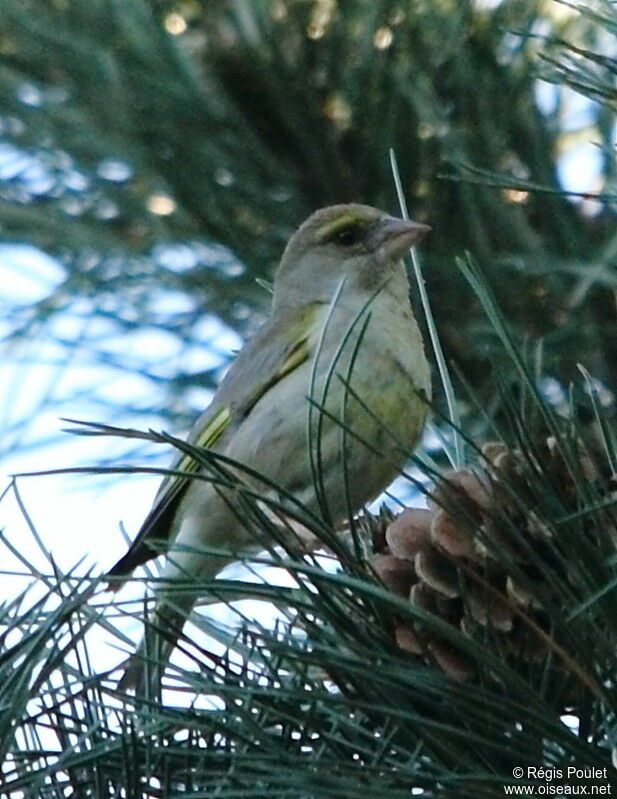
(205, 124)
(325, 703)
(158, 124)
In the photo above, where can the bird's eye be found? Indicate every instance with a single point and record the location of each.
(348, 236)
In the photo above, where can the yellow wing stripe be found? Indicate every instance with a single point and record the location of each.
(207, 438)
(214, 429)
(297, 355)
(221, 419)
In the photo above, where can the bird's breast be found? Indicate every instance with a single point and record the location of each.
(355, 407)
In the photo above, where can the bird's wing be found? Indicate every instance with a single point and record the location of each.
(277, 349)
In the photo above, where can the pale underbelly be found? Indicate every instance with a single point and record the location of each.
(351, 442)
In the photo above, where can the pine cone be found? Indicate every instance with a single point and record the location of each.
(471, 558)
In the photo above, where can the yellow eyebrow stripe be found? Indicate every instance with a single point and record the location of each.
(340, 223)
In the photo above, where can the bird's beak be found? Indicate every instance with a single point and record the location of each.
(398, 235)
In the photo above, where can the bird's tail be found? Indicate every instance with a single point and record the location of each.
(175, 601)
(145, 667)
(190, 566)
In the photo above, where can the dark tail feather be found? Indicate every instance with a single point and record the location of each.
(146, 667)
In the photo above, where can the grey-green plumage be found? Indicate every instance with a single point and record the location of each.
(342, 321)
(253, 369)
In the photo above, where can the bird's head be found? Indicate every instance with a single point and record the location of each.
(354, 241)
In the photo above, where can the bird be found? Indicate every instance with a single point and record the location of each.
(340, 353)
